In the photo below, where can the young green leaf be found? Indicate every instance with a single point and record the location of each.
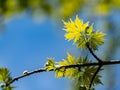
(5, 78)
(70, 60)
(74, 29)
(59, 72)
(50, 64)
(4, 74)
(66, 72)
(81, 33)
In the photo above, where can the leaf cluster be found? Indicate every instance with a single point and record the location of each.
(80, 75)
(81, 33)
(5, 77)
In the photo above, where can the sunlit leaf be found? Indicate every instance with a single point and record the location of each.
(74, 29)
(70, 60)
(4, 74)
(82, 34)
(59, 72)
(50, 64)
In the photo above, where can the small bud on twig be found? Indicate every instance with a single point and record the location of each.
(25, 72)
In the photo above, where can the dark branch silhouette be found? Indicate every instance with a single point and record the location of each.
(98, 59)
(98, 69)
(100, 64)
(68, 66)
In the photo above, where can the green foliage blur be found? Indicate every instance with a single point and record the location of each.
(62, 8)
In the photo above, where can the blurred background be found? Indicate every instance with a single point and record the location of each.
(31, 31)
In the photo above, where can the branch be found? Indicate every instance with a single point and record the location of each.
(98, 69)
(24, 75)
(98, 59)
(68, 66)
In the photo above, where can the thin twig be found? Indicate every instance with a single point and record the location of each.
(100, 64)
(98, 59)
(24, 75)
(96, 72)
(68, 66)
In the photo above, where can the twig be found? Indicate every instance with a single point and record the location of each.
(100, 64)
(98, 59)
(98, 69)
(24, 75)
(68, 66)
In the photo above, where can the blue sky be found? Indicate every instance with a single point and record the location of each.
(25, 45)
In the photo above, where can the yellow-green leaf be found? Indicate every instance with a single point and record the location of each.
(50, 64)
(59, 72)
(4, 74)
(70, 58)
(74, 29)
(82, 33)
